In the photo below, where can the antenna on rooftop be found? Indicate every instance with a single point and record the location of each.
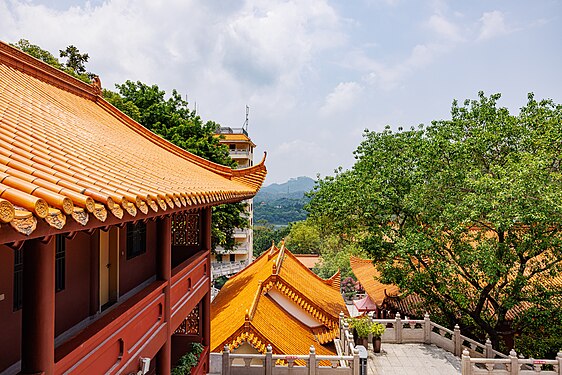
(245, 126)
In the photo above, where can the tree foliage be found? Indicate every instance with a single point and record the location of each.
(466, 212)
(265, 234)
(75, 64)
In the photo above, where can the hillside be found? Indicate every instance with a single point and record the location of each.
(280, 204)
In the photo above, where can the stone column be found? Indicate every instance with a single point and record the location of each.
(164, 238)
(38, 314)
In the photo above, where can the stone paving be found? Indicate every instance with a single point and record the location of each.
(412, 359)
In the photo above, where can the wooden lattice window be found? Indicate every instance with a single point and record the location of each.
(185, 229)
(190, 325)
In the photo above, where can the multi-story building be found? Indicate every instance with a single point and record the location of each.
(242, 151)
(105, 231)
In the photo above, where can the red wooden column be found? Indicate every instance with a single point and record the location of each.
(95, 273)
(38, 313)
(206, 313)
(164, 234)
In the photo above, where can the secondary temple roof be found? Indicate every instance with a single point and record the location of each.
(368, 276)
(277, 300)
(67, 154)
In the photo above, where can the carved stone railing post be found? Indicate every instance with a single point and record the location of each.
(312, 361)
(559, 358)
(465, 363)
(514, 363)
(489, 350)
(457, 341)
(226, 360)
(398, 329)
(426, 329)
(355, 361)
(342, 317)
(345, 338)
(268, 360)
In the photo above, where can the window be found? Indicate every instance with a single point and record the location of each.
(60, 262)
(232, 147)
(136, 239)
(232, 257)
(18, 279)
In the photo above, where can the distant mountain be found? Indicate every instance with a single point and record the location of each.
(280, 204)
(293, 186)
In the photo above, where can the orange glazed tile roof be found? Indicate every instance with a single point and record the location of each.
(239, 138)
(367, 275)
(246, 310)
(67, 154)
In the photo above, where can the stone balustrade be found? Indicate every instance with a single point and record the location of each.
(227, 363)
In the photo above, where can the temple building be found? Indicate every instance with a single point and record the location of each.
(383, 299)
(105, 231)
(277, 301)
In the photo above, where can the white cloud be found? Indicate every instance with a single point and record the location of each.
(445, 28)
(387, 76)
(492, 25)
(341, 98)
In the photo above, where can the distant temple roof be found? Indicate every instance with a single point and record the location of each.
(66, 155)
(367, 275)
(276, 300)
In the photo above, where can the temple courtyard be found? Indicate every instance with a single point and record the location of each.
(412, 359)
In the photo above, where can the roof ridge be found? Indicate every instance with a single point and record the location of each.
(318, 313)
(36, 68)
(255, 301)
(279, 262)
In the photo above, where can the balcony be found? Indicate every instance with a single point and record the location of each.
(240, 233)
(136, 328)
(227, 268)
(239, 153)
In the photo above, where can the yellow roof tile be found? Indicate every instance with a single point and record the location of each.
(368, 276)
(63, 147)
(247, 293)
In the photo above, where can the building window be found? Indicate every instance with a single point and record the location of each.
(60, 262)
(18, 279)
(232, 147)
(232, 257)
(136, 239)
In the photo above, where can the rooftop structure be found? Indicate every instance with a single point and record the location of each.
(241, 149)
(277, 301)
(104, 231)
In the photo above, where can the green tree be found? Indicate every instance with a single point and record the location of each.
(75, 65)
(75, 61)
(466, 213)
(303, 238)
(265, 234)
(37, 52)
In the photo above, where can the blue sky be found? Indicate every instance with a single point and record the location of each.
(315, 73)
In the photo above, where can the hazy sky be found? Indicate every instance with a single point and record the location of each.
(315, 73)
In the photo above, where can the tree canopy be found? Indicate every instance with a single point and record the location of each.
(466, 212)
(75, 61)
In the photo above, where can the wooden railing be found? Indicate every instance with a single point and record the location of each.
(118, 339)
(190, 282)
(227, 268)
